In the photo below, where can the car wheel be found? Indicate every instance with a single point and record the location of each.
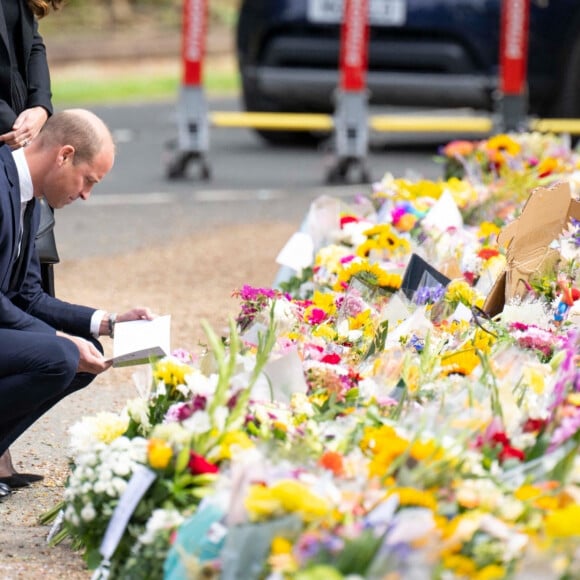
(254, 101)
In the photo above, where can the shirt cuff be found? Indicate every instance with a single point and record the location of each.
(96, 320)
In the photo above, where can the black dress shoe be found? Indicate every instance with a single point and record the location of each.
(14, 481)
(29, 477)
(5, 491)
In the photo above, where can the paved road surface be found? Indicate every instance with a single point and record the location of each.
(251, 182)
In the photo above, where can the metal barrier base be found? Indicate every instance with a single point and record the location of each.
(192, 142)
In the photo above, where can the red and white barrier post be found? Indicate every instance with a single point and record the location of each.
(515, 17)
(350, 119)
(192, 111)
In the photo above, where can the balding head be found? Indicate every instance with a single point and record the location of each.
(79, 128)
(73, 152)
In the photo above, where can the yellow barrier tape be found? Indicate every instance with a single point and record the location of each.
(401, 124)
(381, 123)
(274, 121)
(571, 126)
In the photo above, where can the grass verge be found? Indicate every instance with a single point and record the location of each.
(93, 83)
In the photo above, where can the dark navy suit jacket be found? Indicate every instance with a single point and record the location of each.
(26, 306)
(36, 73)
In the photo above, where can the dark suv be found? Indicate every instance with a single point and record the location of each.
(422, 53)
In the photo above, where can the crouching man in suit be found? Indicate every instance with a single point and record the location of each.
(48, 348)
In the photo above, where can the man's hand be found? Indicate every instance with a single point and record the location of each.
(109, 320)
(139, 313)
(91, 359)
(26, 127)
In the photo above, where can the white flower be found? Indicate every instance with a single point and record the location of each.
(198, 423)
(175, 434)
(199, 384)
(220, 416)
(301, 405)
(138, 410)
(284, 317)
(88, 512)
(159, 521)
(123, 467)
(119, 485)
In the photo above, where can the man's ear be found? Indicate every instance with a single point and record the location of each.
(65, 155)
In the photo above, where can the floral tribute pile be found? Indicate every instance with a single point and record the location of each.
(353, 424)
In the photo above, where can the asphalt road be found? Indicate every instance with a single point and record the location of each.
(137, 204)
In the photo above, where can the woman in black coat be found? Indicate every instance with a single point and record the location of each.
(25, 96)
(25, 105)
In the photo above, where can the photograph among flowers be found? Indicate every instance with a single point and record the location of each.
(405, 406)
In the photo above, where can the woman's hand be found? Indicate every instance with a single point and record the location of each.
(26, 127)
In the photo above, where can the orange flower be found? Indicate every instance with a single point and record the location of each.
(458, 148)
(486, 253)
(332, 461)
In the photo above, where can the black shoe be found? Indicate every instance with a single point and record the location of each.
(29, 477)
(14, 481)
(5, 491)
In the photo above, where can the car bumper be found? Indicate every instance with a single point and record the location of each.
(288, 87)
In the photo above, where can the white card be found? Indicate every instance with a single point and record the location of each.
(286, 376)
(139, 341)
(444, 214)
(298, 253)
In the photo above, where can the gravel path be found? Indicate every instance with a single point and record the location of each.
(191, 279)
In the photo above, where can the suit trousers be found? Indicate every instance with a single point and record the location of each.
(37, 370)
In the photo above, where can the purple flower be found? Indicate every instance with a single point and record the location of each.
(178, 412)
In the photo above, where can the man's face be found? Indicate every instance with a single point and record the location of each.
(66, 181)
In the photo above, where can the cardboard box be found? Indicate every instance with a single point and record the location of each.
(545, 215)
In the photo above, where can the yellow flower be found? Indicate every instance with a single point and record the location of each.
(281, 545)
(503, 143)
(159, 453)
(426, 451)
(324, 301)
(373, 274)
(562, 523)
(171, 372)
(459, 291)
(491, 572)
(488, 230)
(534, 378)
(462, 566)
(461, 362)
(108, 426)
(385, 445)
(409, 496)
(261, 503)
(232, 442)
(330, 257)
(324, 331)
(286, 496)
(361, 320)
(462, 192)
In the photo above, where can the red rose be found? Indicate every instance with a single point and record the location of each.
(198, 464)
(331, 359)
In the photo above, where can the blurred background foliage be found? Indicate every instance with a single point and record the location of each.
(118, 15)
(107, 51)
